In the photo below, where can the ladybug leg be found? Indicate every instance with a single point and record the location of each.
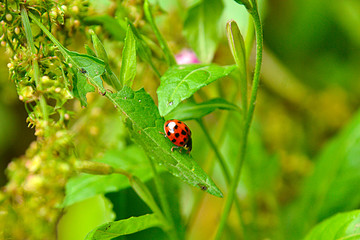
(162, 133)
(180, 150)
(172, 149)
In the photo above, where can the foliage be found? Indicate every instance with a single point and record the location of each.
(98, 79)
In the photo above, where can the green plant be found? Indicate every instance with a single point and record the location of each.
(96, 134)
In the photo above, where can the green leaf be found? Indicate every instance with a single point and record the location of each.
(201, 28)
(142, 48)
(109, 76)
(99, 48)
(145, 123)
(84, 186)
(335, 182)
(115, 27)
(92, 68)
(341, 226)
(168, 55)
(128, 63)
(191, 110)
(81, 87)
(123, 227)
(89, 51)
(246, 3)
(182, 81)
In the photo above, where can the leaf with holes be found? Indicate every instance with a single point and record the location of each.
(91, 67)
(182, 81)
(123, 227)
(191, 110)
(341, 226)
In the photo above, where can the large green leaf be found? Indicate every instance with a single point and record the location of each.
(182, 81)
(335, 182)
(84, 186)
(191, 110)
(123, 227)
(144, 122)
(201, 28)
(339, 227)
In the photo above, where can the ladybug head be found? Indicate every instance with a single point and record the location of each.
(188, 145)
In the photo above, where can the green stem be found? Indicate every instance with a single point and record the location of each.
(30, 40)
(224, 168)
(163, 201)
(223, 165)
(168, 55)
(247, 123)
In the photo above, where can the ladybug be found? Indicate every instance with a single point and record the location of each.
(179, 134)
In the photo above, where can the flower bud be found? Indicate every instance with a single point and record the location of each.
(8, 17)
(33, 183)
(75, 9)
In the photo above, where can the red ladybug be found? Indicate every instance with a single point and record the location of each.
(179, 134)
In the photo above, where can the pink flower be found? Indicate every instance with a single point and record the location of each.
(186, 56)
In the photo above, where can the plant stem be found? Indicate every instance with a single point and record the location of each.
(224, 168)
(168, 55)
(223, 165)
(30, 40)
(164, 202)
(247, 121)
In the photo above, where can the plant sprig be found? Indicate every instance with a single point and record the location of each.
(253, 11)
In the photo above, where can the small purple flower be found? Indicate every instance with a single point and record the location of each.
(186, 56)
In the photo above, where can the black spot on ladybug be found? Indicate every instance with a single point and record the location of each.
(168, 133)
(176, 127)
(167, 125)
(177, 134)
(184, 139)
(183, 132)
(174, 140)
(181, 143)
(186, 128)
(179, 122)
